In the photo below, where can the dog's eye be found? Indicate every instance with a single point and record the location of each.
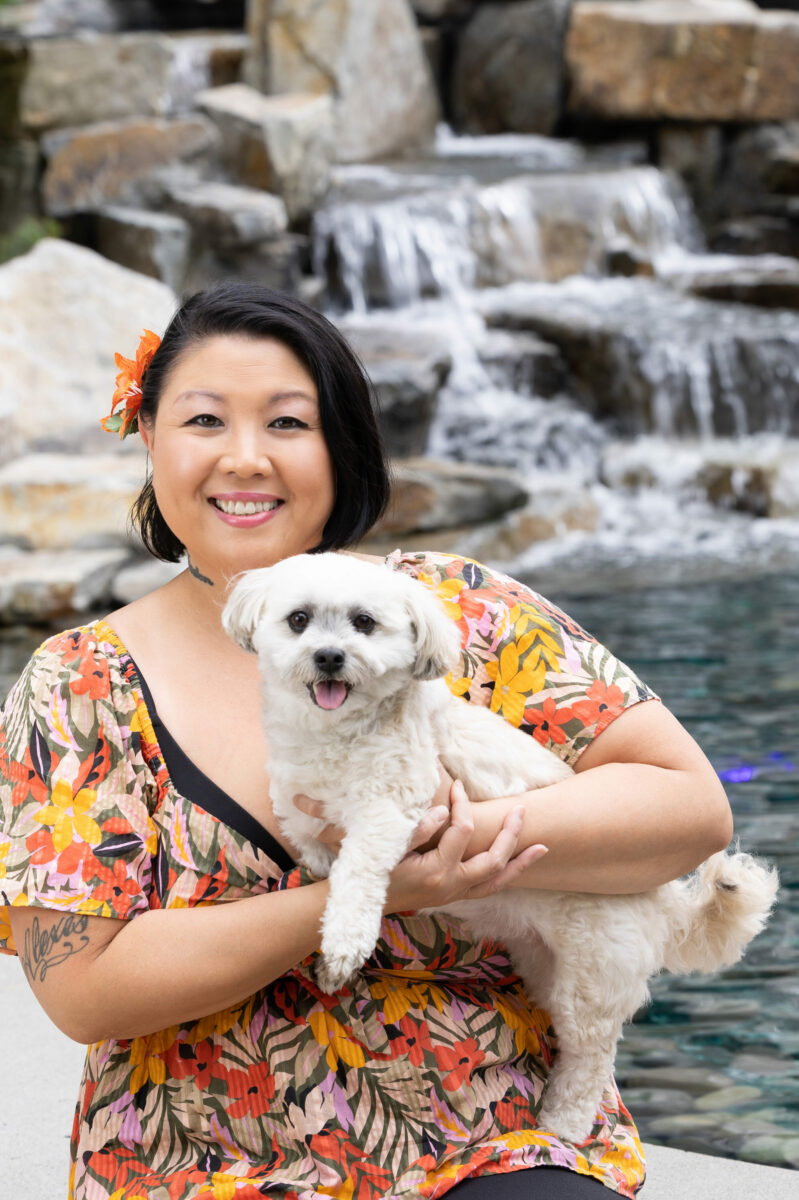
(298, 620)
(363, 623)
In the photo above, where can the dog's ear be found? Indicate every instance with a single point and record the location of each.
(437, 641)
(245, 606)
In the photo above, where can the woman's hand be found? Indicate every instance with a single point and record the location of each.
(434, 871)
(430, 878)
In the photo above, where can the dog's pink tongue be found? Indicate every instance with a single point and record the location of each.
(331, 693)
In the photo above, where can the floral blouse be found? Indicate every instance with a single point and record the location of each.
(427, 1070)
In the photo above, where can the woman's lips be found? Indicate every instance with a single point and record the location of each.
(246, 520)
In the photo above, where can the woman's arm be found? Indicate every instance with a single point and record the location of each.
(100, 978)
(644, 807)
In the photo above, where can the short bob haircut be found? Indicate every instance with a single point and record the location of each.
(346, 402)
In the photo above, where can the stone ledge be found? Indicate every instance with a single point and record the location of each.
(660, 59)
(672, 1174)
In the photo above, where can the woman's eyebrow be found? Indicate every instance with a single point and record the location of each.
(289, 394)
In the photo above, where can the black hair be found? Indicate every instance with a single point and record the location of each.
(346, 402)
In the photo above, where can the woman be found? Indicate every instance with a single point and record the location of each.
(156, 909)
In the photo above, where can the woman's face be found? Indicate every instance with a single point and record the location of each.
(241, 471)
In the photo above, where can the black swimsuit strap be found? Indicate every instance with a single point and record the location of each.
(194, 785)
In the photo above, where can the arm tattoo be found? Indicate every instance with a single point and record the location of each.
(46, 948)
(195, 571)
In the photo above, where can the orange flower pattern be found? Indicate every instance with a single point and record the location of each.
(427, 1070)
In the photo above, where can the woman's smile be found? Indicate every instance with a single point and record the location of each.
(245, 509)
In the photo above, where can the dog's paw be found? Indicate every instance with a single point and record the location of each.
(318, 860)
(573, 1126)
(334, 972)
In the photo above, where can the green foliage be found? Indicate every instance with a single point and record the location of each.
(27, 234)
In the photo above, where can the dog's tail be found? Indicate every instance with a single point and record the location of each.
(727, 902)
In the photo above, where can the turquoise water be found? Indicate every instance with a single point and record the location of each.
(713, 1064)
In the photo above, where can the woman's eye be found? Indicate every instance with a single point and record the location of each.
(287, 423)
(363, 623)
(205, 421)
(298, 620)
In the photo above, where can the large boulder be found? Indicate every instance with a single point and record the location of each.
(67, 310)
(431, 495)
(152, 243)
(72, 80)
(45, 585)
(112, 161)
(508, 73)
(366, 53)
(676, 60)
(282, 144)
(54, 501)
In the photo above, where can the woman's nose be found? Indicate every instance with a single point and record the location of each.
(246, 454)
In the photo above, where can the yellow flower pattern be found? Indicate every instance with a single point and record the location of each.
(430, 1065)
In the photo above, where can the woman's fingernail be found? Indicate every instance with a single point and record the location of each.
(439, 813)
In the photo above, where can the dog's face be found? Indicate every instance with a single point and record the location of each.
(338, 631)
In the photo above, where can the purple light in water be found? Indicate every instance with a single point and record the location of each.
(740, 774)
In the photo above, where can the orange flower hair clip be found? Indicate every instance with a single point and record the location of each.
(128, 389)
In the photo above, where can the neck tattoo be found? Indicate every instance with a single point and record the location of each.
(195, 571)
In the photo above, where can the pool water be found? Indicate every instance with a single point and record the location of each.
(713, 1064)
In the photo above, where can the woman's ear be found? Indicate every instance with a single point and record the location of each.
(246, 606)
(146, 433)
(437, 641)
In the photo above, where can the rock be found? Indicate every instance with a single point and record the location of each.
(67, 310)
(758, 160)
(19, 177)
(695, 1080)
(49, 18)
(282, 144)
(304, 46)
(228, 215)
(43, 585)
(778, 1149)
(669, 59)
(508, 74)
(440, 495)
(623, 257)
(555, 508)
(776, 287)
(141, 578)
(760, 233)
(759, 476)
(437, 10)
(523, 363)
(58, 501)
(729, 1097)
(695, 153)
(151, 243)
(121, 76)
(113, 161)
(659, 362)
(408, 371)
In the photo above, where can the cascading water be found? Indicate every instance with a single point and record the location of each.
(515, 236)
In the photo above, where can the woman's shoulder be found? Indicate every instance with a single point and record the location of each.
(84, 661)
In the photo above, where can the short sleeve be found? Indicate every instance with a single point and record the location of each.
(525, 658)
(76, 833)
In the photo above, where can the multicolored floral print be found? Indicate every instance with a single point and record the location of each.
(427, 1070)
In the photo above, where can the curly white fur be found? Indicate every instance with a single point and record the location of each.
(372, 760)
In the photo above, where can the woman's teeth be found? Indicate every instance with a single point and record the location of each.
(245, 508)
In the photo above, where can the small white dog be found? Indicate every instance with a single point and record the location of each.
(357, 715)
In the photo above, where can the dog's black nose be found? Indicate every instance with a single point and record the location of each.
(329, 660)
